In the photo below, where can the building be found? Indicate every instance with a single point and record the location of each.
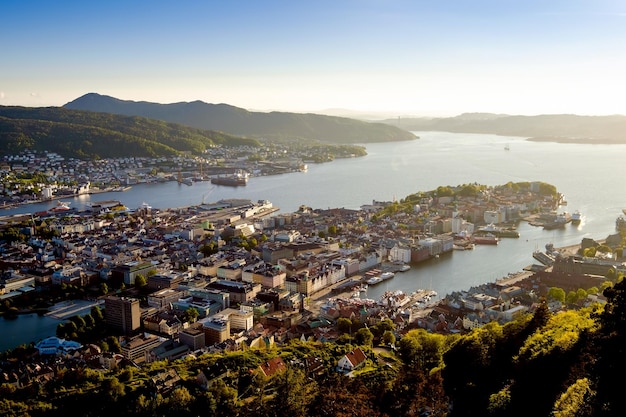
(127, 272)
(160, 281)
(272, 367)
(240, 292)
(122, 313)
(164, 298)
(242, 319)
(137, 349)
(216, 330)
(192, 337)
(351, 361)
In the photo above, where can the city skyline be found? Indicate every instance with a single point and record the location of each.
(396, 57)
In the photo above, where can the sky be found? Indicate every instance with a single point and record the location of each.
(398, 57)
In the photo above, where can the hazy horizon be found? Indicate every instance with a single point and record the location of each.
(390, 57)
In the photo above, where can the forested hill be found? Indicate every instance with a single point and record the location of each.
(238, 121)
(88, 135)
(552, 127)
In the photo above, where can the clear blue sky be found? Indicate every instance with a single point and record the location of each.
(430, 57)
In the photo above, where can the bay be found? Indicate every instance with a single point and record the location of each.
(588, 176)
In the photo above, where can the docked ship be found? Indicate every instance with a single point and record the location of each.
(559, 221)
(374, 280)
(387, 275)
(487, 239)
(237, 179)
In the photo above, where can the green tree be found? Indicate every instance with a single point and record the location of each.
(499, 402)
(364, 336)
(191, 315)
(113, 389)
(575, 400)
(344, 325)
(96, 313)
(388, 337)
(556, 294)
(140, 281)
(295, 394)
(179, 401)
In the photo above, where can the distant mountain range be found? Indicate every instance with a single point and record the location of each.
(556, 127)
(241, 122)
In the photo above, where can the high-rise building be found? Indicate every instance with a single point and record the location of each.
(122, 313)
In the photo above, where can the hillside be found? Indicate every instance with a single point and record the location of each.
(241, 122)
(556, 127)
(88, 135)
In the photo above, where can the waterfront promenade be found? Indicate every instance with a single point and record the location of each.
(67, 309)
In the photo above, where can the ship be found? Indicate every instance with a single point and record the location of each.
(239, 178)
(576, 217)
(487, 239)
(60, 207)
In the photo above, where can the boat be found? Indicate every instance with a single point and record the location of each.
(374, 280)
(239, 178)
(122, 189)
(404, 267)
(554, 225)
(487, 239)
(506, 147)
(463, 246)
(60, 207)
(576, 217)
(387, 275)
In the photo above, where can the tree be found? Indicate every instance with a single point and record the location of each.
(556, 294)
(179, 401)
(113, 388)
(140, 281)
(575, 400)
(191, 315)
(295, 394)
(364, 336)
(572, 297)
(344, 325)
(389, 338)
(96, 313)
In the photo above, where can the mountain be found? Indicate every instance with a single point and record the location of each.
(88, 135)
(553, 127)
(241, 122)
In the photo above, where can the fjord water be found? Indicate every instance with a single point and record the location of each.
(588, 176)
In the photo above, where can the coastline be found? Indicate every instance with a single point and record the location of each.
(579, 141)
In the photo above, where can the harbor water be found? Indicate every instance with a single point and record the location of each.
(587, 175)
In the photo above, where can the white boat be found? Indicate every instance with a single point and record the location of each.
(576, 217)
(387, 275)
(60, 207)
(374, 280)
